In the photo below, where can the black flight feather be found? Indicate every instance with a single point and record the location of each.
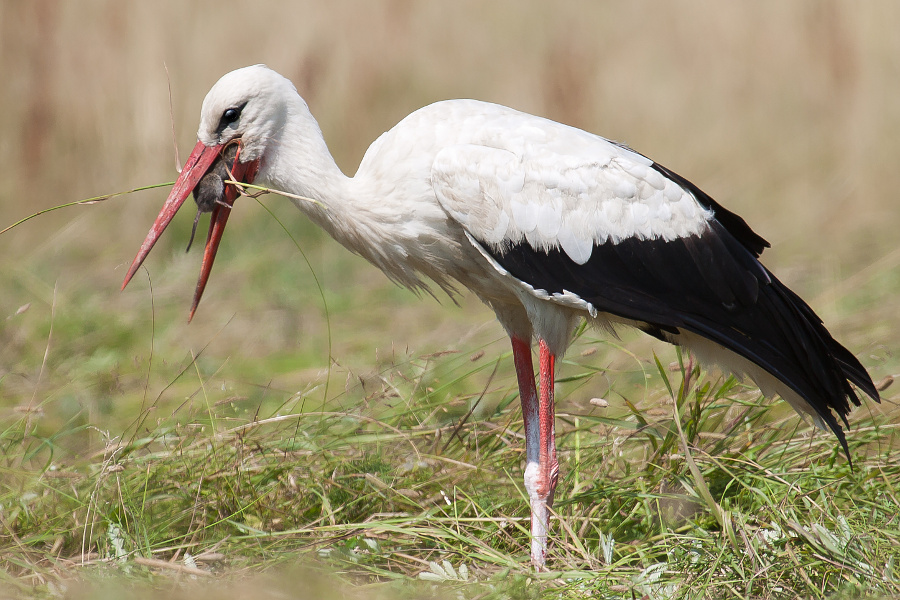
(712, 285)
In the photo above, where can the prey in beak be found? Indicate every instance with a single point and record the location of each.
(211, 189)
(205, 176)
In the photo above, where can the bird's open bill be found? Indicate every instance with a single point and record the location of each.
(198, 164)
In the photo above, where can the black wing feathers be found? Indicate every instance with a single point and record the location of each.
(713, 285)
(735, 225)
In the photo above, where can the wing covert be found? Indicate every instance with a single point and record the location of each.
(570, 202)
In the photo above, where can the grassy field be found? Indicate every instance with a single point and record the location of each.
(317, 432)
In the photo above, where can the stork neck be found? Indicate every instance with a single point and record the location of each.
(300, 163)
(368, 213)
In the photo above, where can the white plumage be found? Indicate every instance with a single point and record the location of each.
(545, 223)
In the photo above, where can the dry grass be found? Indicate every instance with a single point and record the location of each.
(785, 112)
(402, 488)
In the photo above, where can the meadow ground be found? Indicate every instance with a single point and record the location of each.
(316, 431)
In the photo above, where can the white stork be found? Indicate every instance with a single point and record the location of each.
(547, 225)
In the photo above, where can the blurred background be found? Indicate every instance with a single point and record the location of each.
(786, 113)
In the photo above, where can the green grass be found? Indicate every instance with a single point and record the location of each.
(390, 484)
(231, 447)
(137, 449)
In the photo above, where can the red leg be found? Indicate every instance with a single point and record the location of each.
(528, 397)
(549, 464)
(541, 470)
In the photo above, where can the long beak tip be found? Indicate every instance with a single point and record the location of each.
(135, 265)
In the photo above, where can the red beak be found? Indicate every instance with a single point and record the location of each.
(197, 165)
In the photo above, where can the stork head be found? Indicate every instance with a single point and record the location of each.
(251, 104)
(250, 107)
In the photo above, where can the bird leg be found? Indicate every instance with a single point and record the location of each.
(549, 464)
(542, 468)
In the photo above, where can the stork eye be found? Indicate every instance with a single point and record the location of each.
(230, 116)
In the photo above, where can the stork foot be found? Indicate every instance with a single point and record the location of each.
(540, 520)
(540, 489)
